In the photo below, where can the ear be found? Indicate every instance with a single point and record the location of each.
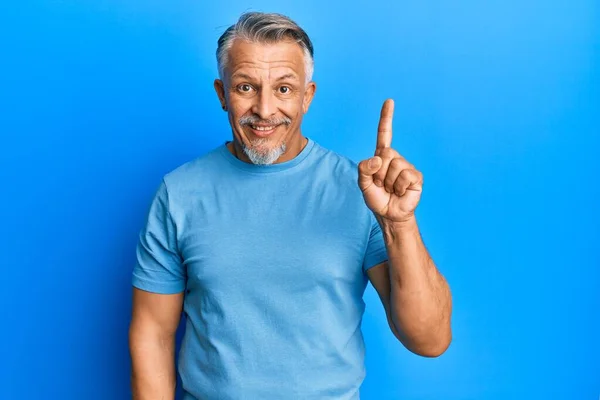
(220, 89)
(309, 93)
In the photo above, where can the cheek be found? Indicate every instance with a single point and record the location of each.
(239, 105)
(293, 108)
(238, 112)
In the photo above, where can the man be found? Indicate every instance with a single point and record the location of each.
(268, 241)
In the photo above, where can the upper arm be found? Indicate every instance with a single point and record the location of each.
(159, 267)
(380, 279)
(155, 313)
(159, 277)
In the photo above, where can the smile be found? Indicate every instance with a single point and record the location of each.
(263, 131)
(263, 128)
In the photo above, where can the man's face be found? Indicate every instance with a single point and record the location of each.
(265, 91)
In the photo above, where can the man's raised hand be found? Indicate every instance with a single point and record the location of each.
(391, 186)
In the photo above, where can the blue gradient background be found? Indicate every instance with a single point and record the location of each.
(497, 103)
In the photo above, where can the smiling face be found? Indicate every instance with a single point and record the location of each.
(265, 92)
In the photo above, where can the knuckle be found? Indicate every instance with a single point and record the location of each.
(406, 173)
(389, 180)
(398, 185)
(388, 153)
(397, 162)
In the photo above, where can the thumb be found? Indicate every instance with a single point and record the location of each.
(366, 170)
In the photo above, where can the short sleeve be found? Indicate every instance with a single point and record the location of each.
(376, 251)
(158, 267)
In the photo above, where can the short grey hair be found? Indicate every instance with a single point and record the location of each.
(257, 27)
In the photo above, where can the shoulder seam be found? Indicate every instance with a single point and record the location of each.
(168, 204)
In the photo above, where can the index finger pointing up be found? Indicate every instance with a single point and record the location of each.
(384, 131)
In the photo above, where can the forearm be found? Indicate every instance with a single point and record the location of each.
(153, 365)
(420, 299)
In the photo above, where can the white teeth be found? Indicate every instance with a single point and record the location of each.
(262, 128)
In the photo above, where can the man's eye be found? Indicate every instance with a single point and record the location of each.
(284, 89)
(244, 88)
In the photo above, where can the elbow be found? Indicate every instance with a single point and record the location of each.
(434, 350)
(426, 346)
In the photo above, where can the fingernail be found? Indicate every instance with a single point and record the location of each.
(372, 163)
(378, 182)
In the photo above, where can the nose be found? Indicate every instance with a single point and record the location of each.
(266, 104)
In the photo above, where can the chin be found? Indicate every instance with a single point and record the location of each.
(261, 153)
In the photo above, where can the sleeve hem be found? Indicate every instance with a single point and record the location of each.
(157, 287)
(370, 265)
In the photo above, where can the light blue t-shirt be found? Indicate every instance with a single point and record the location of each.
(273, 263)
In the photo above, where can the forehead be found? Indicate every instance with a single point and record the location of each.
(257, 58)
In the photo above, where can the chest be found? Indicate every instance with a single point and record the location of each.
(288, 245)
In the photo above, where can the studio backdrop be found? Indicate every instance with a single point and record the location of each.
(497, 103)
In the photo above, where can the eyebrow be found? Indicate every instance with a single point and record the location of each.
(249, 78)
(286, 76)
(241, 76)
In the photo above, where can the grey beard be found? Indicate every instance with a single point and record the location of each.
(267, 157)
